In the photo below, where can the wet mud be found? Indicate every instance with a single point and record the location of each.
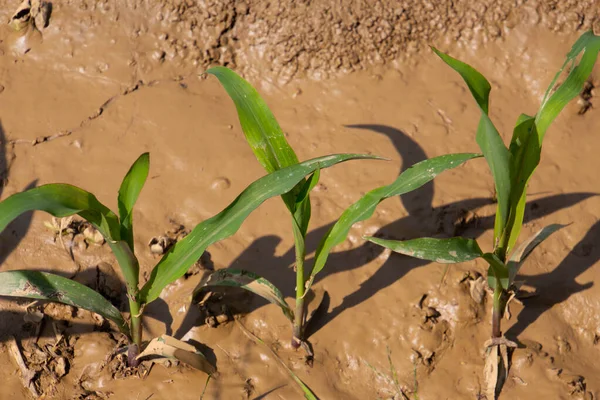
(81, 98)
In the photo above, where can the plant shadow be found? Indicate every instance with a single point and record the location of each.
(16, 230)
(422, 220)
(559, 284)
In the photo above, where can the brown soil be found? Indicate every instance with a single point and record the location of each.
(105, 82)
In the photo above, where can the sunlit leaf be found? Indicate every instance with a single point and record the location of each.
(258, 122)
(445, 251)
(187, 251)
(489, 140)
(552, 105)
(128, 194)
(411, 179)
(61, 200)
(525, 149)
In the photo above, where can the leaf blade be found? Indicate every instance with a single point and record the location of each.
(130, 189)
(188, 250)
(411, 179)
(258, 122)
(524, 250)
(525, 149)
(489, 140)
(497, 272)
(46, 286)
(61, 200)
(552, 105)
(249, 281)
(444, 251)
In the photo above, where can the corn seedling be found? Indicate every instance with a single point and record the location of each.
(511, 168)
(62, 200)
(270, 147)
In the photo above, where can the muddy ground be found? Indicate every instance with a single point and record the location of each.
(105, 82)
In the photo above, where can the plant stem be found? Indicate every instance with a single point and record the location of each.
(298, 334)
(136, 323)
(136, 333)
(498, 310)
(130, 267)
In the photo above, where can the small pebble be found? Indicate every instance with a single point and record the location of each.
(1, 88)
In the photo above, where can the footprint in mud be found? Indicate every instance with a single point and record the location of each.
(430, 336)
(530, 360)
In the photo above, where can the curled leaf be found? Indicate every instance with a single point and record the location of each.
(249, 281)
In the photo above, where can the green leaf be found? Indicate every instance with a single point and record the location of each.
(411, 179)
(479, 86)
(266, 139)
(61, 200)
(525, 149)
(129, 266)
(258, 123)
(497, 272)
(45, 286)
(128, 194)
(488, 138)
(589, 44)
(445, 251)
(187, 251)
(524, 250)
(249, 281)
(303, 207)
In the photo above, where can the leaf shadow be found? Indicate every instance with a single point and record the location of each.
(422, 220)
(16, 230)
(558, 285)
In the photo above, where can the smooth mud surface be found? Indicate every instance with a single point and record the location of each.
(103, 83)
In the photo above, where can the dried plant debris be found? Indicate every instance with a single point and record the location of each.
(34, 13)
(159, 245)
(214, 319)
(584, 101)
(174, 349)
(80, 234)
(42, 365)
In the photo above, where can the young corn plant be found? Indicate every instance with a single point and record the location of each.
(511, 168)
(270, 147)
(62, 200)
